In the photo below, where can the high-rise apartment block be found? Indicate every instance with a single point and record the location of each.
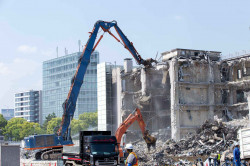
(57, 76)
(28, 105)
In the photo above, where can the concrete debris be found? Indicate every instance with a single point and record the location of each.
(208, 139)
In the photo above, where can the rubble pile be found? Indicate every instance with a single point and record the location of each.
(209, 138)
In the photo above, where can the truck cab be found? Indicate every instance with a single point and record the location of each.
(95, 148)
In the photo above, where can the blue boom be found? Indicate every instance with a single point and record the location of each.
(63, 136)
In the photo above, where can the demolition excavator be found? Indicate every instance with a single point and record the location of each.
(134, 116)
(50, 146)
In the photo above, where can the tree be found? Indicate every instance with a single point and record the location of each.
(18, 128)
(78, 125)
(13, 128)
(47, 119)
(89, 118)
(30, 129)
(3, 122)
(53, 124)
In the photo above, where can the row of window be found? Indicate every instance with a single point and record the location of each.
(71, 58)
(27, 94)
(60, 69)
(26, 113)
(85, 86)
(68, 74)
(65, 68)
(22, 99)
(26, 108)
(67, 82)
(26, 103)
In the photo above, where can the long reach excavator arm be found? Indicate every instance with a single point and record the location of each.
(63, 136)
(70, 103)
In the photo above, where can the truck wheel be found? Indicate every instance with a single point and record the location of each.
(68, 164)
(45, 157)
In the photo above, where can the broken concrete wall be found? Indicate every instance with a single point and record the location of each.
(181, 93)
(146, 89)
(197, 82)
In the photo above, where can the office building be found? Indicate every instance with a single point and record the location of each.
(57, 76)
(106, 116)
(7, 113)
(28, 105)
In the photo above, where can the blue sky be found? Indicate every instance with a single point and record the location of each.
(31, 30)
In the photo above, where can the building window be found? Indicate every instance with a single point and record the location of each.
(247, 71)
(224, 96)
(239, 74)
(240, 96)
(182, 52)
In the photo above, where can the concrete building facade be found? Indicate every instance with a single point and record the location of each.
(28, 105)
(106, 116)
(182, 91)
(57, 76)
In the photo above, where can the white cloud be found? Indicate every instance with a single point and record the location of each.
(18, 75)
(23, 67)
(4, 70)
(27, 49)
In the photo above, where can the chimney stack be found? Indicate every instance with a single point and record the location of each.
(128, 65)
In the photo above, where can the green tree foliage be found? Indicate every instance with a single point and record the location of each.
(30, 129)
(89, 118)
(3, 122)
(78, 125)
(53, 125)
(18, 128)
(47, 119)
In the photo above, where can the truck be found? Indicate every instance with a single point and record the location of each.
(95, 148)
(244, 142)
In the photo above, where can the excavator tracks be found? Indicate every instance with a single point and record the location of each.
(49, 154)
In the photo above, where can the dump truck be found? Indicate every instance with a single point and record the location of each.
(95, 148)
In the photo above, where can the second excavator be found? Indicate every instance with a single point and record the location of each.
(134, 116)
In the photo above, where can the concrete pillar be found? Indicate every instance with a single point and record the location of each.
(117, 96)
(211, 91)
(143, 82)
(174, 99)
(248, 102)
(128, 65)
(231, 96)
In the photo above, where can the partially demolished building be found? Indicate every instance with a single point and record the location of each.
(181, 91)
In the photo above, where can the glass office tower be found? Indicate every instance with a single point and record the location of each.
(57, 75)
